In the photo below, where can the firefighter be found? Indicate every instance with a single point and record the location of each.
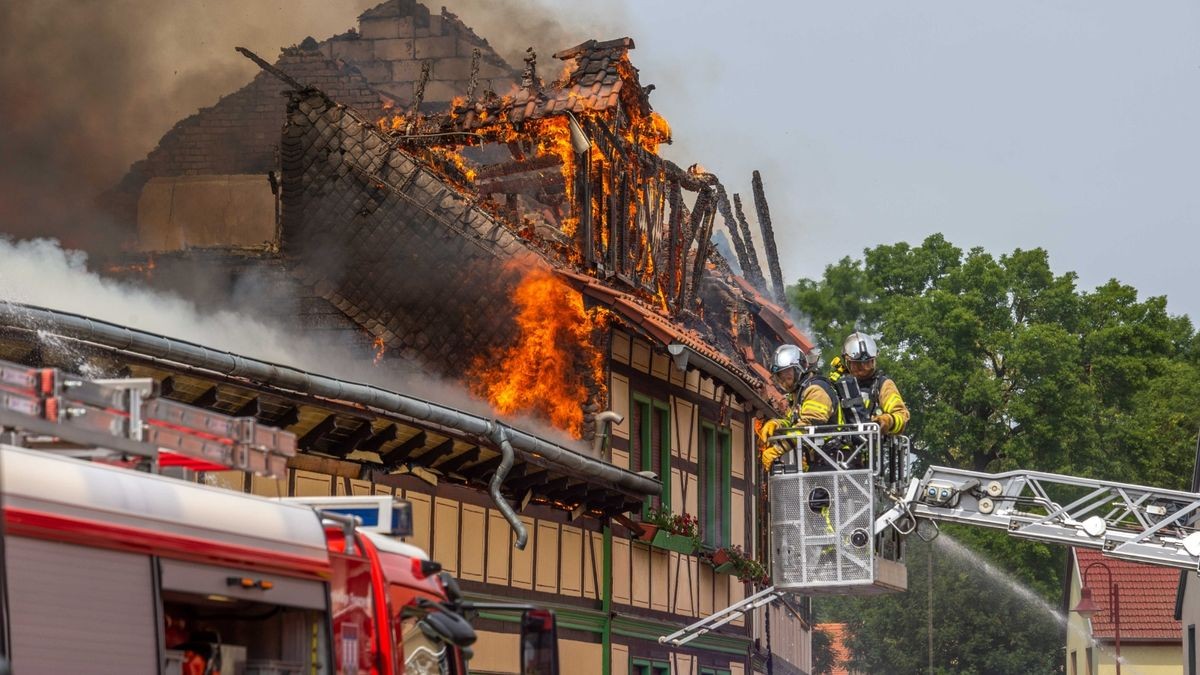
(811, 399)
(880, 397)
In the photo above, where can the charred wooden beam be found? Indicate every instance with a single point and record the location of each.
(768, 232)
(432, 455)
(321, 430)
(483, 470)
(673, 227)
(166, 386)
(394, 457)
(206, 399)
(251, 408)
(700, 211)
(518, 486)
(353, 440)
(520, 166)
(754, 272)
(554, 487)
(473, 82)
(703, 243)
(739, 248)
(455, 463)
(376, 441)
(287, 418)
(291, 81)
(418, 96)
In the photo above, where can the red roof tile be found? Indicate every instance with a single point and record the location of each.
(1146, 597)
(837, 644)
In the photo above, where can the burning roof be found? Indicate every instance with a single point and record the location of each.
(423, 224)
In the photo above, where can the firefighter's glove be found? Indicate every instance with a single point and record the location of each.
(769, 454)
(885, 422)
(836, 369)
(769, 427)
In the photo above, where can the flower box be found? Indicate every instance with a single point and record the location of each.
(727, 567)
(648, 532)
(674, 542)
(719, 557)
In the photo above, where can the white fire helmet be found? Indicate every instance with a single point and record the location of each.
(859, 347)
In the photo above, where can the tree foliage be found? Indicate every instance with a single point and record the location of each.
(1007, 365)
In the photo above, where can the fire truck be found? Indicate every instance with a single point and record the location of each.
(109, 567)
(840, 526)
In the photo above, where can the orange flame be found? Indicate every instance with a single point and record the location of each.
(553, 366)
(380, 348)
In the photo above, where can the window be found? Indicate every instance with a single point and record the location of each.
(713, 671)
(1191, 649)
(647, 667)
(651, 438)
(715, 470)
(1088, 656)
(1074, 662)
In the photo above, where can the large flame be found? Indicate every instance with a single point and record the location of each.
(553, 367)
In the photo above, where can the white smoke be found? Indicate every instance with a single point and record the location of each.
(40, 272)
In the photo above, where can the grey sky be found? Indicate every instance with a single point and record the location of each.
(1066, 124)
(1070, 125)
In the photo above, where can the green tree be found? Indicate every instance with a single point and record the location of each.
(1003, 633)
(1007, 365)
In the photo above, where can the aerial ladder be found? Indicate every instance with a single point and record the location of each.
(842, 504)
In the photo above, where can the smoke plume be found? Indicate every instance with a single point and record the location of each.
(40, 272)
(87, 88)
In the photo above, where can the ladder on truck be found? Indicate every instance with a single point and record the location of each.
(128, 421)
(838, 528)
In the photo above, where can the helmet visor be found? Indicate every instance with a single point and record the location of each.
(786, 357)
(859, 347)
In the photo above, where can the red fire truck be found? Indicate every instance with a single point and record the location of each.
(107, 569)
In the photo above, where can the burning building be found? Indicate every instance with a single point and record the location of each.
(518, 233)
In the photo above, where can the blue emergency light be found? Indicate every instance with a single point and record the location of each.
(382, 514)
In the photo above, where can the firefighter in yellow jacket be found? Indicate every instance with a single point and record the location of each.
(880, 397)
(811, 398)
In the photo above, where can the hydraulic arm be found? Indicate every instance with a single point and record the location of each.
(1130, 522)
(841, 504)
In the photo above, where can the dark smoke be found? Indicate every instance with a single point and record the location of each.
(549, 26)
(88, 86)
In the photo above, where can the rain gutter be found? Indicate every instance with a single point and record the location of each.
(531, 448)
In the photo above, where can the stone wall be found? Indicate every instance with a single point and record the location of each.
(396, 38)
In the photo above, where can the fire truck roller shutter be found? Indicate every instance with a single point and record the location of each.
(80, 610)
(189, 577)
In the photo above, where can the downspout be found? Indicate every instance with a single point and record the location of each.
(606, 604)
(600, 446)
(499, 436)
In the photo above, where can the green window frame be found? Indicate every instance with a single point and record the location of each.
(653, 414)
(716, 456)
(647, 667)
(714, 671)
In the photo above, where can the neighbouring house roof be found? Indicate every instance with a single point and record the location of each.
(837, 644)
(1147, 597)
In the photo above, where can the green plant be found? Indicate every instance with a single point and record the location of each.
(745, 568)
(682, 524)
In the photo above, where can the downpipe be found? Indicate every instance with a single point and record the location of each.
(604, 421)
(499, 436)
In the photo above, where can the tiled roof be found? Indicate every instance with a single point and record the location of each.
(1147, 597)
(661, 329)
(837, 644)
(390, 244)
(596, 76)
